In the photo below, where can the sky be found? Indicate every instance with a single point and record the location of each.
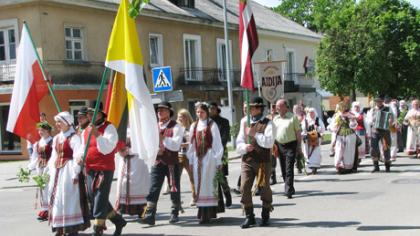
(274, 3)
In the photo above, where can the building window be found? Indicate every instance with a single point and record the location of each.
(8, 36)
(74, 43)
(192, 57)
(184, 3)
(9, 142)
(75, 106)
(156, 50)
(7, 44)
(269, 54)
(221, 59)
(291, 66)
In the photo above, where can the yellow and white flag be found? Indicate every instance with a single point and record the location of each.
(124, 55)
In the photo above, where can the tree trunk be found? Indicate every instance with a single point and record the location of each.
(353, 94)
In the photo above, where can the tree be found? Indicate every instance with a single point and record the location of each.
(335, 64)
(313, 14)
(388, 44)
(372, 47)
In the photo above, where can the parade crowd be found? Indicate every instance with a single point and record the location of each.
(78, 189)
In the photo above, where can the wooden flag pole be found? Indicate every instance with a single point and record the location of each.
(54, 98)
(98, 101)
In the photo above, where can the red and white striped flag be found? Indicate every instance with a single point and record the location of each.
(248, 42)
(28, 90)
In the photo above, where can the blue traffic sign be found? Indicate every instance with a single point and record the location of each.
(162, 79)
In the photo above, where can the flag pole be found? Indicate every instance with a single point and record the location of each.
(98, 101)
(248, 113)
(42, 69)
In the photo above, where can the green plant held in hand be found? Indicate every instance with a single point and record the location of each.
(23, 175)
(218, 178)
(41, 180)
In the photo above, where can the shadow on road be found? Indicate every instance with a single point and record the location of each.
(329, 180)
(387, 227)
(314, 193)
(314, 224)
(142, 234)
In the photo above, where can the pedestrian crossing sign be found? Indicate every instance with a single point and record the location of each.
(162, 79)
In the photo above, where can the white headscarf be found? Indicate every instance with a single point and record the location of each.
(353, 107)
(65, 117)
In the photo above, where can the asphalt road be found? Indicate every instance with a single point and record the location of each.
(324, 204)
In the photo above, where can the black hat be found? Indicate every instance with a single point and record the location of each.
(83, 111)
(214, 104)
(92, 106)
(379, 98)
(257, 102)
(166, 105)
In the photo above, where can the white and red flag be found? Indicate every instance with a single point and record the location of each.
(248, 43)
(28, 90)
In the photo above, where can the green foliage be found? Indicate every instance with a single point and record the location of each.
(41, 180)
(234, 130)
(23, 175)
(372, 47)
(136, 6)
(218, 178)
(313, 14)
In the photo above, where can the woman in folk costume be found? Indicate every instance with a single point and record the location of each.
(413, 134)
(332, 127)
(402, 130)
(345, 145)
(300, 157)
(133, 181)
(68, 212)
(39, 162)
(312, 129)
(185, 120)
(360, 128)
(393, 128)
(205, 157)
(369, 125)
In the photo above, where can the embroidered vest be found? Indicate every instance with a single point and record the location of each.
(64, 152)
(360, 123)
(259, 154)
(202, 139)
(168, 157)
(44, 154)
(95, 160)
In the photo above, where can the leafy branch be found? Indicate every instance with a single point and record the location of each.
(136, 6)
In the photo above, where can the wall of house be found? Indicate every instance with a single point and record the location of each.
(281, 45)
(48, 107)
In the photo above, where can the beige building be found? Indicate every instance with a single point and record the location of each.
(72, 38)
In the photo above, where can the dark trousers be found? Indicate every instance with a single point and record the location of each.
(249, 172)
(157, 176)
(402, 137)
(99, 186)
(225, 170)
(287, 152)
(385, 137)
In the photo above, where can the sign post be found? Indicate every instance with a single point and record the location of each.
(162, 79)
(270, 76)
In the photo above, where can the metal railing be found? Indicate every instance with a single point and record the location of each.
(300, 79)
(7, 71)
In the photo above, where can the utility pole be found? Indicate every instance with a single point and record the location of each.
(228, 72)
(229, 84)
